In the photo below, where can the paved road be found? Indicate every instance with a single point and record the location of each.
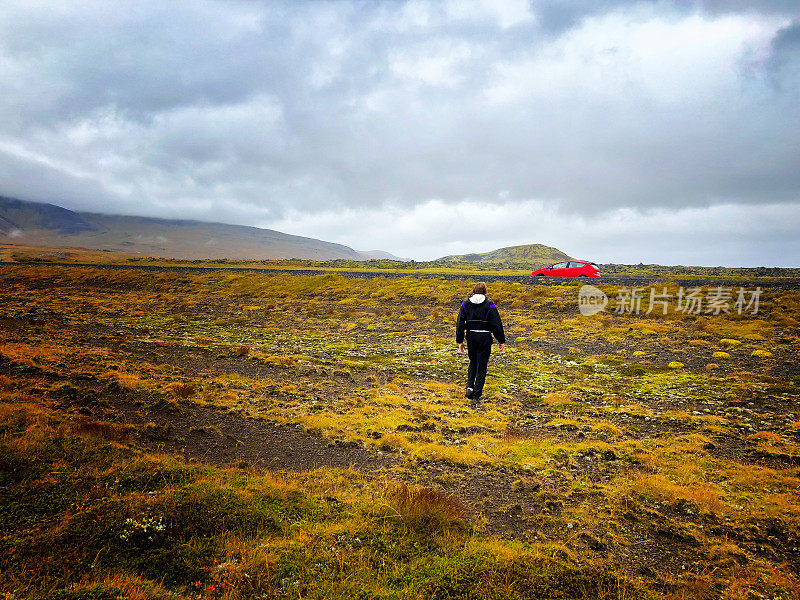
(611, 279)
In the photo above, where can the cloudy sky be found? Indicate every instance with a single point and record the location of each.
(617, 131)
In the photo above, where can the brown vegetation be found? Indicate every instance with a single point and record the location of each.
(589, 447)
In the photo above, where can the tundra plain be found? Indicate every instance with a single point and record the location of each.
(239, 435)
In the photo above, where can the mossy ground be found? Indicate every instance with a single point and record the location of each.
(591, 456)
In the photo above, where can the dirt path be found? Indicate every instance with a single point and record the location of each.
(216, 436)
(223, 438)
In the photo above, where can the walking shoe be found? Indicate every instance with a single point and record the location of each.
(469, 392)
(475, 401)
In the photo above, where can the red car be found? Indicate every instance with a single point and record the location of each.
(573, 268)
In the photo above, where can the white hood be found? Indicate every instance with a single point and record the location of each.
(477, 298)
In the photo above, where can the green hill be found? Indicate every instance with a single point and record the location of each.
(525, 256)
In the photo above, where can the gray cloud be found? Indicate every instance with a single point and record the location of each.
(245, 111)
(785, 49)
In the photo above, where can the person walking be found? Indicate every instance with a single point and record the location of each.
(478, 320)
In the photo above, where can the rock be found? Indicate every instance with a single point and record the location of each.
(160, 431)
(83, 377)
(525, 485)
(647, 571)
(593, 543)
(554, 506)
(166, 406)
(674, 533)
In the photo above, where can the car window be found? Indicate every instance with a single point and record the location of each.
(573, 265)
(559, 266)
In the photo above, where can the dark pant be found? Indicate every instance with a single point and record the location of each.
(479, 347)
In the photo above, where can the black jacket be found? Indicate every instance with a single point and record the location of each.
(477, 317)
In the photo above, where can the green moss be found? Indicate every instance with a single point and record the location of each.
(146, 475)
(95, 592)
(483, 575)
(641, 369)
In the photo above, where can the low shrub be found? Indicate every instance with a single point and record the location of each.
(182, 390)
(426, 509)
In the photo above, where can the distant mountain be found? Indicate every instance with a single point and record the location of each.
(19, 216)
(38, 224)
(380, 255)
(526, 256)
